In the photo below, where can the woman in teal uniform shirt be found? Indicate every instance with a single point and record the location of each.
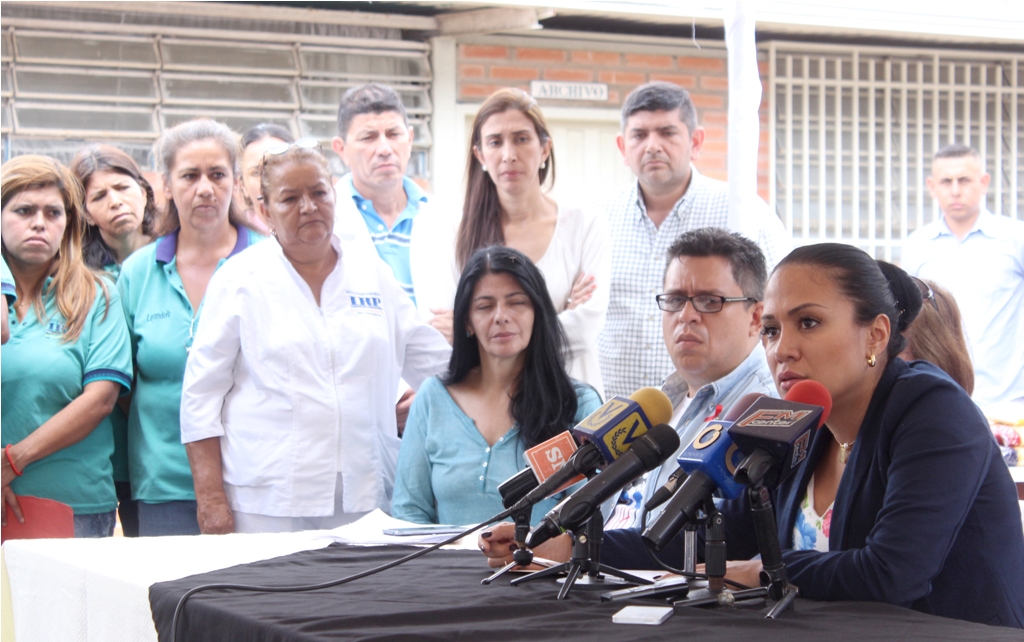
(162, 288)
(68, 357)
(120, 214)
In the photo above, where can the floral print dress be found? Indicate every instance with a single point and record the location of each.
(810, 533)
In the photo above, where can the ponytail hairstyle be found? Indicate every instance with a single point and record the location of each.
(73, 284)
(544, 401)
(874, 287)
(481, 211)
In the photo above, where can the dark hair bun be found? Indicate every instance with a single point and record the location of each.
(905, 291)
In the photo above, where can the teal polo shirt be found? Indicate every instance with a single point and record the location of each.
(42, 375)
(160, 322)
(7, 282)
(118, 419)
(392, 244)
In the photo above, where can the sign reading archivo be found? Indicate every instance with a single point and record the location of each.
(569, 90)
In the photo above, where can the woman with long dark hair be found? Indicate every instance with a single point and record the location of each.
(119, 207)
(506, 390)
(68, 357)
(510, 167)
(120, 215)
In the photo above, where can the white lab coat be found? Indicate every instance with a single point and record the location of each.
(298, 393)
(435, 274)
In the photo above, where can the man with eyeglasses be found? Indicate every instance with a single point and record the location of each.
(711, 306)
(979, 258)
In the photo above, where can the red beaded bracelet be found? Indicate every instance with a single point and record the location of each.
(7, 451)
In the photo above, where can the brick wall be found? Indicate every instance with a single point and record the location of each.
(485, 68)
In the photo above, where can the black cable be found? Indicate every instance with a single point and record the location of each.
(313, 587)
(664, 565)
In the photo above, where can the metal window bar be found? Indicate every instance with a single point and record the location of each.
(237, 78)
(876, 116)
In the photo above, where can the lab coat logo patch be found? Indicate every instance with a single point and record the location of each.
(366, 302)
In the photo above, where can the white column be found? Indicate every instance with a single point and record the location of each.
(744, 105)
(447, 163)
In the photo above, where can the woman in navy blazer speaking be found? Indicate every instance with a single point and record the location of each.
(904, 498)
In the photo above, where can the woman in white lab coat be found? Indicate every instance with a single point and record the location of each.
(288, 404)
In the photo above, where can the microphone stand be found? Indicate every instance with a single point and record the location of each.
(773, 571)
(585, 569)
(714, 565)
(522, 556)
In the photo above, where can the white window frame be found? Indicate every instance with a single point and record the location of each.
(907, 192)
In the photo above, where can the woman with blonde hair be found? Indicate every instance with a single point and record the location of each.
(68, 358)
(510, 166)
(163, 287)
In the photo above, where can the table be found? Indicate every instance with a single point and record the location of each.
(439, 597)
(97, 590)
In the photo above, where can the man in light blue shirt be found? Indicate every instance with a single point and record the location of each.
(375, 142)
(979, 258)
(379, 203)
(711, 325)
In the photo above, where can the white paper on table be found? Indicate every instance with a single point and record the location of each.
(369, 531)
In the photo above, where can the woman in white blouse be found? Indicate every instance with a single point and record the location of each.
(511, 165)
(288, 404)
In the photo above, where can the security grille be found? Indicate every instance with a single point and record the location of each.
(853, 131)
(75, 82)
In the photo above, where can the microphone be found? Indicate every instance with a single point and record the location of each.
(778, 430)
(777, 433)
(646, 454)
(676, 479)
(613, 427)
(542, 461)
(608, 432)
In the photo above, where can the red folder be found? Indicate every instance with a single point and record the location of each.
(44, 518)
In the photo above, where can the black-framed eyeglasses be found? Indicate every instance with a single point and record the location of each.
(926, 292)
(701, 302)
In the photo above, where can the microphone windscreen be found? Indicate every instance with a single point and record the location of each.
(741, 406)
(656, 445)
(812, 393)
(655, 404)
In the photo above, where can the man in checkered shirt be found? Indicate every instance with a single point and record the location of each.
(660, 137)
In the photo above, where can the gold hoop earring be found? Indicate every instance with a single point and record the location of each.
(872, 361)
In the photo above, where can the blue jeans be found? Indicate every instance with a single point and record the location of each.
(95, 524)
(168, 518)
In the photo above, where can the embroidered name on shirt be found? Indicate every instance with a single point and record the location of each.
(166, 314)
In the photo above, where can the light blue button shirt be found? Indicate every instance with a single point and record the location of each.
(448, 473)
(752, 375)
(985, 274)
(392, 244)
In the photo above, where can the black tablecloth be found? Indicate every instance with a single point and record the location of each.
(439, 597)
